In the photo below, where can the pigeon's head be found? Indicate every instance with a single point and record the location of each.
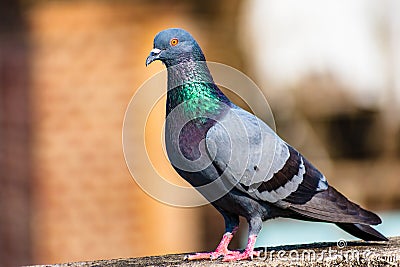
(174, 46)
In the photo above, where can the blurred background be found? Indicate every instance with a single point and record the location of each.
(329, 69)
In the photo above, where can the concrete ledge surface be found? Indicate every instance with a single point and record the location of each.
(342, 253)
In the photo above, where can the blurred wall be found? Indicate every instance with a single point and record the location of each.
(87, 60)
(15, 160)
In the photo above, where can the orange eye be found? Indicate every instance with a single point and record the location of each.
(174, 41)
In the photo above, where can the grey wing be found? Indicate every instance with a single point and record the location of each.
(250, 155)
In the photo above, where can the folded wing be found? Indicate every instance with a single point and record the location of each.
(265, 167)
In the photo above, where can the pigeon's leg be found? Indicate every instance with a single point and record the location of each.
(231, 226)
(255, 225)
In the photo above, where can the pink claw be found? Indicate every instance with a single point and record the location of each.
(248, 253)
(228, 255)
(221, 250)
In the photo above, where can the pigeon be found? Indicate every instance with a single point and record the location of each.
(236, 161)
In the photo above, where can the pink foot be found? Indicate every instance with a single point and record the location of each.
(248, 253)
(221, 250)
(228, 255)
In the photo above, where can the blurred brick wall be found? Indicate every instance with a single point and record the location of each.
(87, 60)
(14, 137)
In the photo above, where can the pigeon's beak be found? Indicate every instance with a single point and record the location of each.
(154, 55)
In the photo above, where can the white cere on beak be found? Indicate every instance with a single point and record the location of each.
(155, 51)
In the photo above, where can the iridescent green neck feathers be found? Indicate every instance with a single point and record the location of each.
(192, 91)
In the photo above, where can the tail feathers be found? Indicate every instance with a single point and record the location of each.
(362, 231)
(332, 206)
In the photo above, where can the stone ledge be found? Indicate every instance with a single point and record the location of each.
(315, 254)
